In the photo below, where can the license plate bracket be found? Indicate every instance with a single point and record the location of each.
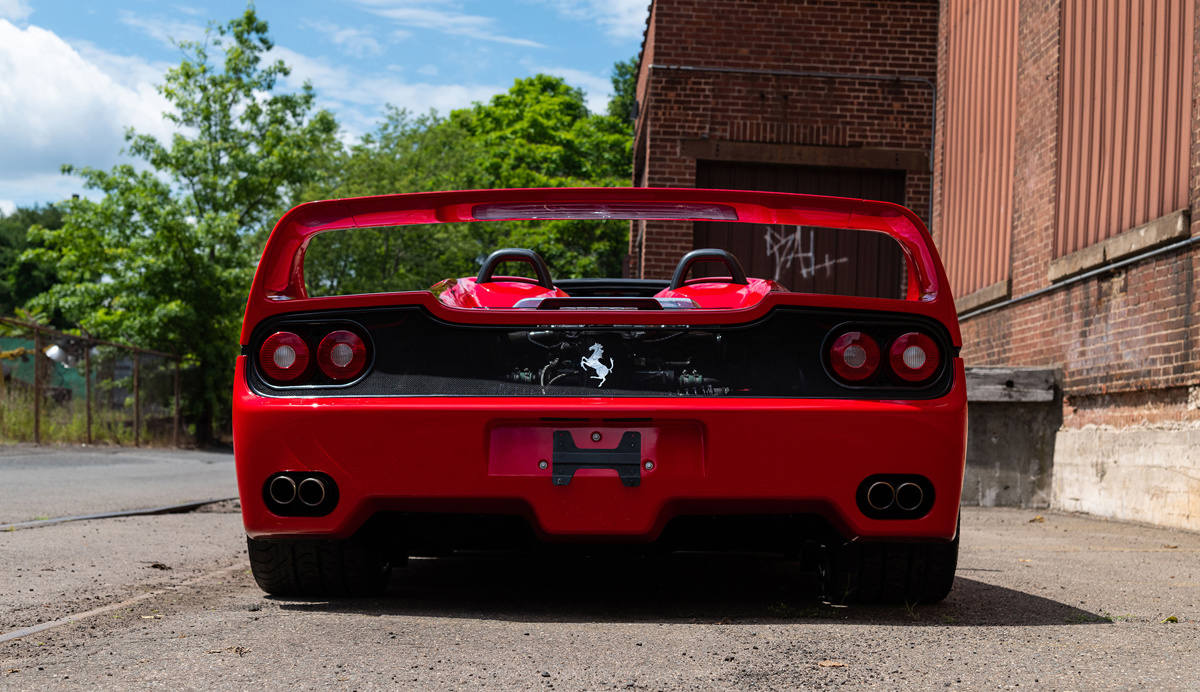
(625, 458)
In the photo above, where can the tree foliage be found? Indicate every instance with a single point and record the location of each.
(22, 278)
(164, 259)
(403, 154)
(537, 134)
(624, 81)
(164, 256)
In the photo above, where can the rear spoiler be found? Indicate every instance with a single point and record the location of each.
(280, 275)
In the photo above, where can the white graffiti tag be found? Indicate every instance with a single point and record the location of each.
(593, 362)
(788, 246)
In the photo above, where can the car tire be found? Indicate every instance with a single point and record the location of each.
(908, 573)
(319, 568)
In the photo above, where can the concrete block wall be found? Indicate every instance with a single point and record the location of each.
(1013, 417)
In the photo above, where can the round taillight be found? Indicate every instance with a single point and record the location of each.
(342, 355)
(914, 357)
(283, 357)
(854, 356)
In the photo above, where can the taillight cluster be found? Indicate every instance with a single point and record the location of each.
(286, 357)
(913, 358)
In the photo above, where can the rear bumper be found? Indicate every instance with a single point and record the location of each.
(711, 456)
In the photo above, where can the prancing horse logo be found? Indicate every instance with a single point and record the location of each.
(593, 362)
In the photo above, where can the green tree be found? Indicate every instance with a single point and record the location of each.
(164, 259)
(23, 278)
(624, 81)
(403, 154)
(540, 134)
(537, 134)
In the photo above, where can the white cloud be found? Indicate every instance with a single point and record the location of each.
(355, 42)
(127, 70)
(15, 10)
(164, 31)
(7, 207)
(426, 14)
(430, 70)
(194, 11)
(621, 19)
(58, 106)
(358, 99)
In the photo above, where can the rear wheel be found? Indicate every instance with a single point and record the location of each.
(909, 573)
(319, 568)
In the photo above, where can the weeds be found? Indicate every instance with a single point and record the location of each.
(64, 422)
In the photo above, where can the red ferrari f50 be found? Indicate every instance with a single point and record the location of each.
(498, 411)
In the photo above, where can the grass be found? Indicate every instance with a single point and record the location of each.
(66, 423)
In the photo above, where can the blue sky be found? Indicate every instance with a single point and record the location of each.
(74, 75)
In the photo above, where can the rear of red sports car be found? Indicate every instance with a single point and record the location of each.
(706, 413)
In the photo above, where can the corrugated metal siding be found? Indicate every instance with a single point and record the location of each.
(980, 122)
(1126, 98)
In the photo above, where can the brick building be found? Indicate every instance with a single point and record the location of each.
(1065, 176)
(800, 96)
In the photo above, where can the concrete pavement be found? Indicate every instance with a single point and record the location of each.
(48, 482)
(1068, 603)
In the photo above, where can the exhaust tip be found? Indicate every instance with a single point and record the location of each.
(282, 489)
(311, 491)
(881, 495)
(909, 496)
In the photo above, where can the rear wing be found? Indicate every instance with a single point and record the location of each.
(279, 282)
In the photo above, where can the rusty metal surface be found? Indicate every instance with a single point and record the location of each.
(1126, 94)
(980, 123)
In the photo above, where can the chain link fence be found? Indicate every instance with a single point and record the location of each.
(59, 387)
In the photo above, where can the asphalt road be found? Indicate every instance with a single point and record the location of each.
(1069, 603)
(48, 482)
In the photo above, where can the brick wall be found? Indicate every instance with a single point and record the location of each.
(897, 38)
(1126, 341)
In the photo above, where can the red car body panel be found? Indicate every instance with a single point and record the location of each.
(714, 295)
(444, 455)
(465, 293)
(708, 455)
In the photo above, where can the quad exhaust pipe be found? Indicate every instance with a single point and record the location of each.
(300, 494)
(895, 496)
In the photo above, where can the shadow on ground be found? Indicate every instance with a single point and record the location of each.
(724, 589)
